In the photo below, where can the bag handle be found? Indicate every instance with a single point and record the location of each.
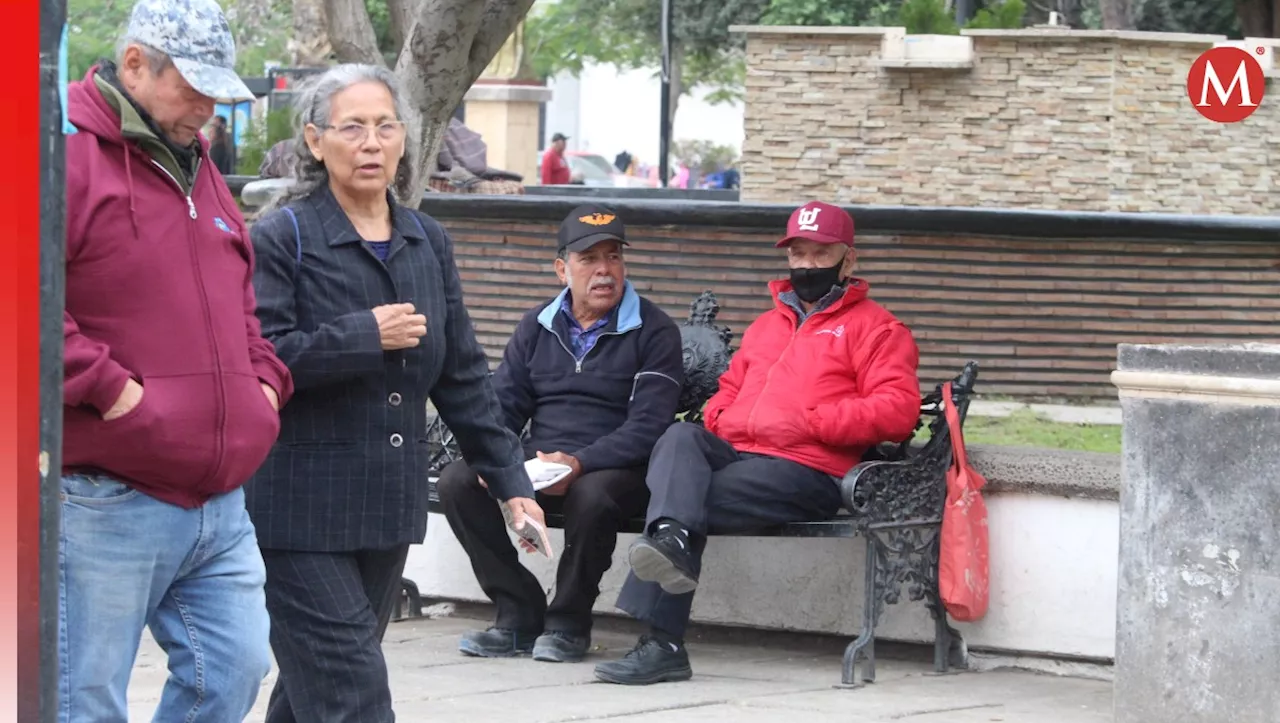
(953, 422)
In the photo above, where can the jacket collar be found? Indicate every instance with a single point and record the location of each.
(855, 290)
(626, 319)
(339, 230)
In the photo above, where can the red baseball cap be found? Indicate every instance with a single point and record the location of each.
(821, 223)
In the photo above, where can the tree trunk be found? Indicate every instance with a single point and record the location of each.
(1118, 14)
(310, 43)
(448, 44)
(401, 17)
(1259, 18)
(351, 32)
(1072, 12)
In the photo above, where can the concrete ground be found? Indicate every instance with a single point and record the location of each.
(1064, 413)
(739, 676)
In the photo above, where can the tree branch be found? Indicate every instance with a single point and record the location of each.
(498, 22)
(351, 32)
(402, 13)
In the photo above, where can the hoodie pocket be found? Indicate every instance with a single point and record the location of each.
(167, 440)
(250, 429)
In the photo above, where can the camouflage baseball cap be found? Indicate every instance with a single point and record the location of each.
(196, 36)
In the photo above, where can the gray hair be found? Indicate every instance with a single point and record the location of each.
(158, 60)
(311, 104)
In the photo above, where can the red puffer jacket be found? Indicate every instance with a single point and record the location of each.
(820, 394)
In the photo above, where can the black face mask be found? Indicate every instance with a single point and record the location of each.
(813, 284)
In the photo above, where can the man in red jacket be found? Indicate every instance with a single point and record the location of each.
(171, 395)
(555, 169)
(820, 378)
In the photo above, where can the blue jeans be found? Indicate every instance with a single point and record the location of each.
(194, 577)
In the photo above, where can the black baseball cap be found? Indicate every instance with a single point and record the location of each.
(559, 137)
(588, 225)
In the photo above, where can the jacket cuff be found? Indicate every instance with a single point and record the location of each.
(275, 376)
(111, 382)
(588, 459)
(509, 482)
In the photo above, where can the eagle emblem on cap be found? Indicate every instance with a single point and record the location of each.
(597, 219)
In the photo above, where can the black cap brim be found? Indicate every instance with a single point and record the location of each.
(587, 242)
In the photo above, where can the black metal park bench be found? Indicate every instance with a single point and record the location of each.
(893, 499)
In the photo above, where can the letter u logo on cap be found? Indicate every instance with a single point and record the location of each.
(807, 219)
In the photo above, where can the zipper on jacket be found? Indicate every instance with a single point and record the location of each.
(768, 377)
(220, 435)
(577, 363)
(191, 205)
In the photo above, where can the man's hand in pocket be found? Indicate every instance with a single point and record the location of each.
(271, 396)
(129, 398)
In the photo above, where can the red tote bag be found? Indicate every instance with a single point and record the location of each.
(963, 571)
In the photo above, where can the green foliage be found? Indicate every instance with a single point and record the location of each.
(569, 34)
(702, 156)
(1006, 15)
(380, 18)
(927, 17)
(258, 138)
(1187, 16)
(850, 13)
(95, 26)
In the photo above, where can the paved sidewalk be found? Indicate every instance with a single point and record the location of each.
(1062, 413)
(734, 681)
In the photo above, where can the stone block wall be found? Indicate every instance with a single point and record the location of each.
(1044, 119)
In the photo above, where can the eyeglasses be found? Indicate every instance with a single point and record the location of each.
(358, 132)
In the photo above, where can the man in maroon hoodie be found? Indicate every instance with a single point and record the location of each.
(171, 393)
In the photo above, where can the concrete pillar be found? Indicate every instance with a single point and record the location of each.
(1198, 607)
(506, 117)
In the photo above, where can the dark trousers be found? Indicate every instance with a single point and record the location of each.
(329, 611)
(595, 508)
(700, 481)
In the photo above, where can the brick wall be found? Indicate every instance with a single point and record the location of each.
(1042, 315)
(1066, 120)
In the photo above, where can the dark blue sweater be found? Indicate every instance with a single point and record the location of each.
(607, 410)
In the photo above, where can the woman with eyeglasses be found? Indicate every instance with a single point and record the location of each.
(362, 300)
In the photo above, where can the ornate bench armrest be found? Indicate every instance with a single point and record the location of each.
(887, 492)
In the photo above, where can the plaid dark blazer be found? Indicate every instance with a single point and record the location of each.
(349, 469)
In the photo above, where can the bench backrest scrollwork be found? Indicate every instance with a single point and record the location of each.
(706, 355)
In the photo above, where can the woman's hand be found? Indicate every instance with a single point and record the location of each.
(398, 326)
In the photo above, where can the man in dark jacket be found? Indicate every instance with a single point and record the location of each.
(171, 393)
(596, 374)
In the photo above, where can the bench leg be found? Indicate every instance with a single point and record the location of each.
(410, 598)
(948, 645)
(897, 557)
(873, 603)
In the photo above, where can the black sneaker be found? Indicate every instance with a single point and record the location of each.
(556, 646)
(496, 643)
(663, 557)
(650, 661)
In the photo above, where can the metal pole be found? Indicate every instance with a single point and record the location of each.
(235, 148)
(53, 14)
(664, 132)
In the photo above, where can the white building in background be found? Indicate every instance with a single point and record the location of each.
(607, 111)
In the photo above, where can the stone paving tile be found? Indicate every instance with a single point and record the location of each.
(734, 680)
